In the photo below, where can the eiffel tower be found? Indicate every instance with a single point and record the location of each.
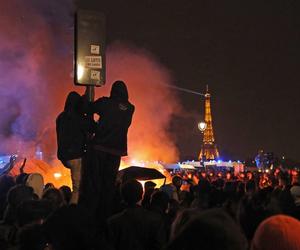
(209, 149)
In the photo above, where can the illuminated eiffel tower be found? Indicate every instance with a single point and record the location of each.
(209, 149)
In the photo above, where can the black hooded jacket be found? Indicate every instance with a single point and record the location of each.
(115, 118)
(71, 129)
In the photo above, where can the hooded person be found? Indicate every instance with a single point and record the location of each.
(116, 115)
(106, 149)
(72, 127)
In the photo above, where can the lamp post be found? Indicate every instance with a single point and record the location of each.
(202, 126)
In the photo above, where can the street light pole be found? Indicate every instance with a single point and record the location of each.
(202, 125)
(90, 92)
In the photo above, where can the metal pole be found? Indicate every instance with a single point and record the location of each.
(90, 92)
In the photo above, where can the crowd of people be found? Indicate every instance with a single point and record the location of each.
(198, 210)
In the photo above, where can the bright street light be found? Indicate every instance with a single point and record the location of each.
(202, 126)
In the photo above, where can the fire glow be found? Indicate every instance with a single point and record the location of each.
(127, 162)
(36, 77)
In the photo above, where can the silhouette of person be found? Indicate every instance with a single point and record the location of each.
(105, 150)
(71, 129)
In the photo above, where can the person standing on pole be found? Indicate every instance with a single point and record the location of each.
(105, 151)
(72, 128)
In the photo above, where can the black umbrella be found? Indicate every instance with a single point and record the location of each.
(140, 173)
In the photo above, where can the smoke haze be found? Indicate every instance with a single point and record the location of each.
(36, 68)
(155, 103)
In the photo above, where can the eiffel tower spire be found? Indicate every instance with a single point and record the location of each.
(209, 149)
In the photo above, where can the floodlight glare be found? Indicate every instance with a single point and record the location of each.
(80, 72)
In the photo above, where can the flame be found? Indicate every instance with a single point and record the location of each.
(56, 173)
(60, 175)
(40, 68)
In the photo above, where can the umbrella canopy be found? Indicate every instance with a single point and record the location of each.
(140, 173)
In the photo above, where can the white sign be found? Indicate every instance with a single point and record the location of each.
(93, 62)
(95, 49)
(95, 75)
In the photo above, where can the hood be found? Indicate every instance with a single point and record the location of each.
(72, 101)
(119, 91)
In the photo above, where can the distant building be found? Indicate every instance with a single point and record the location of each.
(219, 165)
(209, 149)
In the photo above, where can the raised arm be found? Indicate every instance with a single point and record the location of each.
(23, 166)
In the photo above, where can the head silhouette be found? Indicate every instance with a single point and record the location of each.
(132, 191)
(119, 91)
(72, 101)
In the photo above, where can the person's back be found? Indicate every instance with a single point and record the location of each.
(102, 161)
(33, 212)
(66, 193)
(148, 191)
(159, 206)
(55, 197)
(209, 230)
(71, 129)
(115, 118)
(68, 228)
(135, 227)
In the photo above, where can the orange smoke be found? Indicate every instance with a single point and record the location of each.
(54, 173)
(41, 72)
(149, 138)
(35, 68)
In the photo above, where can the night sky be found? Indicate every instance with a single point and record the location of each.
(247, 51)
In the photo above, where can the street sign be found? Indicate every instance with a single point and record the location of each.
(89, 63)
